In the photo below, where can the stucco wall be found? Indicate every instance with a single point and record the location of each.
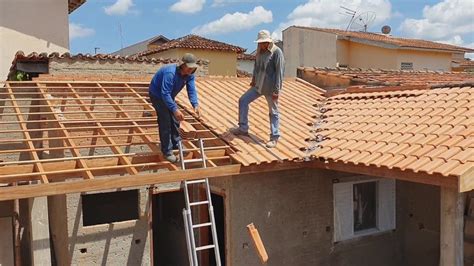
(220, 63)
(32, 26)
(6, 241)
(367, 56)
(425, 60)
(245, 65)
(308, 48)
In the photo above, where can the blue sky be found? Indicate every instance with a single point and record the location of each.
(97, 22)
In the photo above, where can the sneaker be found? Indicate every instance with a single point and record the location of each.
(238, 132)
(272, 143)
(172, 158)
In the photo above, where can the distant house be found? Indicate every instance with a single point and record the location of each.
(222, 56)
(245, 62)
(33, 26)
(148, 44)
(317, 47)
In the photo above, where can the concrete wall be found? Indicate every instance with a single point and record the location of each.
(32, 26)
(6, 242)
(245, 65)
(426, 60)
(121, 243)
(293, 211)
(308, 48)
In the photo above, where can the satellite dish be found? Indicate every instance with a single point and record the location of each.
(362, 21)
(386, 29)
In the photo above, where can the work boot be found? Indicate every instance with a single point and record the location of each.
(272, 143)
(172, 158)
(238, 132)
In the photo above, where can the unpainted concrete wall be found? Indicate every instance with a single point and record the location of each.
(293, 211)
(121, 243)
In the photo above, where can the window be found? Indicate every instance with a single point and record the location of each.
(103, 208)
(363, 208)
(406, 66)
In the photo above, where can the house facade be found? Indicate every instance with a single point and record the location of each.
(317, 47)
(26, 31)
(222, 57)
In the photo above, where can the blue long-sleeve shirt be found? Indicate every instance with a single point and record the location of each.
(168, 82)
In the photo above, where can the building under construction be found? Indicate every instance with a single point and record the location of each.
(363, 175)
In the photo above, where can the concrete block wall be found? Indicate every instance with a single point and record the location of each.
(293, 211)
(121, 243)
(110, 68)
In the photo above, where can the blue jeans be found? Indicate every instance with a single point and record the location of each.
(250, 96)
(168, 126)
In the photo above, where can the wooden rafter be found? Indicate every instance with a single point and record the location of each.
(86, 131)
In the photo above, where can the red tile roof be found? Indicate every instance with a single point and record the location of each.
(403, 43)
(244, 56)
(74, 4)
(429, 131)
(194, 42)
(381, 77)
(219, 97)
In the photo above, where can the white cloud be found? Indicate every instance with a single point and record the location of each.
(236, 22)
(443, 21)
(188, 6)
(78, 31)
(326, 13)
(227, 2)
(121, 7)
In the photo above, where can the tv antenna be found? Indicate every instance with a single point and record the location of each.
(348, 12)
(362, 21)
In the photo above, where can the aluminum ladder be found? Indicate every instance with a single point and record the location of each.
(189, 227)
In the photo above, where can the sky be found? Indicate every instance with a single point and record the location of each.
(106, 26)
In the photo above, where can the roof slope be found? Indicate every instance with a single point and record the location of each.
(138, 47)
(429, 131)
(396, 41)
(218, 100)
(195, 42)
(382, 77)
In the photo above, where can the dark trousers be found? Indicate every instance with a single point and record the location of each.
(168, 126)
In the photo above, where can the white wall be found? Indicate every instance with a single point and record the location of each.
(306, 47)
(245, 65)
(32, 26)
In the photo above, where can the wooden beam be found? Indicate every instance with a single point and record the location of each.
(258, 243)
(466, 181)
(97, 184)
(451, 227)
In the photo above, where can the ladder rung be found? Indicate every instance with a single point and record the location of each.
(199, 181)
(193, 161)
(205, 247)
(202, 225)
(199, 203)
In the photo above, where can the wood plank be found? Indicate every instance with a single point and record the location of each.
(97, 184)
(451, 227)
(258, 243)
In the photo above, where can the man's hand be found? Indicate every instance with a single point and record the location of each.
(275, 97)
(178, 115)
(197, 111)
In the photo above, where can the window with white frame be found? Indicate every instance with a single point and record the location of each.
(364, 207)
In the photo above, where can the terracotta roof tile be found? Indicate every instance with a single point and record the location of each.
(360, 78)
(194, 42)
(427, 130)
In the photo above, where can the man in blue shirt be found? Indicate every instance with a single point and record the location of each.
(164, 87)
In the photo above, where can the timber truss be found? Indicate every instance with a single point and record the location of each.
(64, 137)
